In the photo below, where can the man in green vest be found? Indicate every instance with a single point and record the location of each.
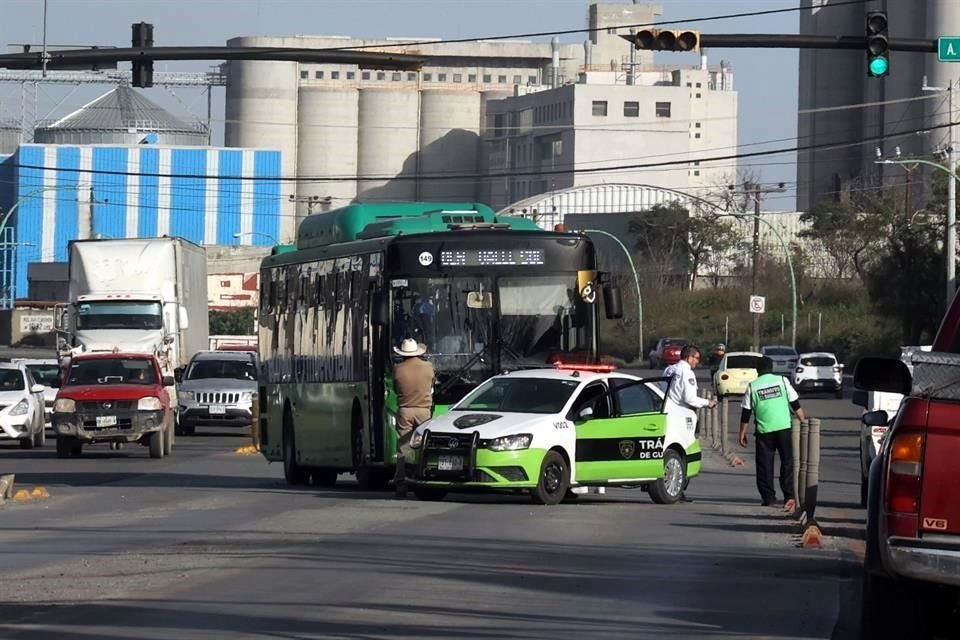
(770, 398)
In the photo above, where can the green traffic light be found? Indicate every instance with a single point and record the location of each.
(879, 66)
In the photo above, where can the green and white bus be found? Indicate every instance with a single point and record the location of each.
(484, 293)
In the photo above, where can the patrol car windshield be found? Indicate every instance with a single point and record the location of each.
(519, 395)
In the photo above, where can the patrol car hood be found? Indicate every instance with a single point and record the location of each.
(489, 424)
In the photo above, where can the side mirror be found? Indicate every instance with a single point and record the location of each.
(882, 374)
(586, 413)
(177, 375)
(860, 398)
(37, 388)
(381, 309)
(184, 317)
(613, 302)
(169, 381)
(875, 418)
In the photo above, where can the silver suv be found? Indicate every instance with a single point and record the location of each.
(217, 390)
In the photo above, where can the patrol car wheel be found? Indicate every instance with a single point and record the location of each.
(669, 488)
(554, 480)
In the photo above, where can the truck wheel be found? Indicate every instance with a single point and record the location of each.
(432, 494)
(64, 447)
(890, 608)
(554, 480)
(669, 488)
(156, 444)
(293, 472)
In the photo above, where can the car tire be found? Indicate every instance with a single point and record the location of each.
(40, 438)
(553, 480)
(839, 393)
(27, 443)
(864, 490)
(667, 490)
(156, 444)
(430, 494)
(294, 474)
(321, 477)
(891, 608)
(168, 440)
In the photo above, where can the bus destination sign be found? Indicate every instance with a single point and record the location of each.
(491, 257)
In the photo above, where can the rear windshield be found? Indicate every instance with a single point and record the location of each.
(743, 362)
(818, 361)
(108, 371)
(779, 351)
(46, 374)
(11, 380)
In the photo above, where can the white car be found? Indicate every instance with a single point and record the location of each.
(818, 371)
(45, 371)
(784, 358)
(547, 431)
(21, 407)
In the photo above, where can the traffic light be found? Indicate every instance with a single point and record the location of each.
(878, 45)
(667, 40)
(142, 69)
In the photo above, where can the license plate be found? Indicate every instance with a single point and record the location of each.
(450, 463)
(217, 409)
(106, 421)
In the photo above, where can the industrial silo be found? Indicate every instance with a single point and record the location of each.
(327, 147)
(121, 116)
(9, 137)
(449, 144)
(387, 144)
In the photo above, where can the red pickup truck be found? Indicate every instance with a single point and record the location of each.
(912, 565)
(114, 398)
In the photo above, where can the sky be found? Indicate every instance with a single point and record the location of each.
(766, 80)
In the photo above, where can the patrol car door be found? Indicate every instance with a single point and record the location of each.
(627, 445)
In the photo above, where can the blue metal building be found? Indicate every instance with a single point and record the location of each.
(212, 196)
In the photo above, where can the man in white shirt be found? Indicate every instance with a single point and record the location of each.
(682, 388)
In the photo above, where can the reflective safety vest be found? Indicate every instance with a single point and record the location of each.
(771, 407)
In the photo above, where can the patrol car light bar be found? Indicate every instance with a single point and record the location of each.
(599, 368)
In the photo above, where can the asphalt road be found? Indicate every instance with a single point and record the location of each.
(211, 544)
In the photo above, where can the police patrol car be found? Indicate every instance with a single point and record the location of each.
(548, 431)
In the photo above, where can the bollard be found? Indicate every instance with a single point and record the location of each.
(797, 454)
(812, 473)
(724, 424)
(712, 425)
(801, 487)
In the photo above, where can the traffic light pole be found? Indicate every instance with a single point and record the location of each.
(792, 41)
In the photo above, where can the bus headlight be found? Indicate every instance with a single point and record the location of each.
(511, 443)
(64, 405)
(416, 441)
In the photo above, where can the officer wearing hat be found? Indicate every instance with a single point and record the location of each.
(770, 398)
(413, 379)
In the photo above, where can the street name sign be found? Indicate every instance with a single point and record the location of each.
(949, 48)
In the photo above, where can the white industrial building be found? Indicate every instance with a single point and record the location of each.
(832, 79)
(404, 130)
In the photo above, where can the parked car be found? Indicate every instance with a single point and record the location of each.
(217, 390)
(667, 352)
(21, 407)
(114, 398)
(785, 358)
(912, 559)
(818, 371)
(45, 371)
(736, 370)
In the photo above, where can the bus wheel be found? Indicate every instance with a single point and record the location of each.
(372, 478)
(432, 494)
(293, 472)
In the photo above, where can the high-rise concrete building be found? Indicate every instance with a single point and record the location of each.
(831, 81)
(394, 130)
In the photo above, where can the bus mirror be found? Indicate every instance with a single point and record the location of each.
(479, 300)
(613, 302)
(381, 310)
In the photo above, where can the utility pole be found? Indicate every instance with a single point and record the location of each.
(756, 192)
(312, 201)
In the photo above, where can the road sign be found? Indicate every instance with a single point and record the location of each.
(758, 304)
(949, 48)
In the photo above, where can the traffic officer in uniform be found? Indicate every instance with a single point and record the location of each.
(770, 398)
(682, 388)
